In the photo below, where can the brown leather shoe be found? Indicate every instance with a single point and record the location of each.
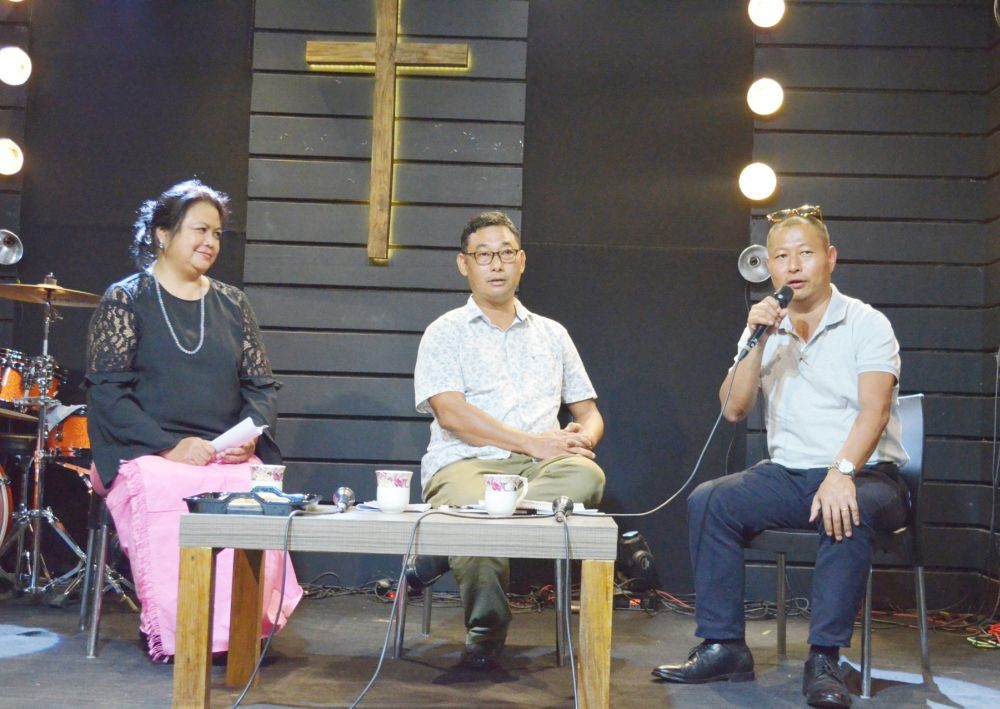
(711, 662)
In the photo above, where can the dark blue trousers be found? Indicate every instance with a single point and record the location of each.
(724, 514)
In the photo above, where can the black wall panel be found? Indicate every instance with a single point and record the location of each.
(14, 31)
(125, 100)
(343, 332)
(890, 123)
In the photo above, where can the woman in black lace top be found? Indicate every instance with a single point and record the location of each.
(174, 359)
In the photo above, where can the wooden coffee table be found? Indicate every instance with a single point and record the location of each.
(592, 539)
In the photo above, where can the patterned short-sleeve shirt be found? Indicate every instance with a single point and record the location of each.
(520, 376)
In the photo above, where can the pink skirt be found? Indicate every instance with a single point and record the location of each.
(146, 501)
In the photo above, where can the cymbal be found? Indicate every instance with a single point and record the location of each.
(49, 292)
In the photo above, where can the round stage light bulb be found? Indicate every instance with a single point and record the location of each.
(765, 96)
(11, 157)
(758, 181)
(15, 66)
(766, 13)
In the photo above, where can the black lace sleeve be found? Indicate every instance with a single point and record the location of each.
(258, 387)
(255, 362)
(112, 337)
(118, 427)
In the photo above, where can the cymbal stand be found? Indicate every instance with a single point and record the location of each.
(30, 519)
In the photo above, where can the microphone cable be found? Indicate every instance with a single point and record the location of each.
(567, 615)
(697, 464)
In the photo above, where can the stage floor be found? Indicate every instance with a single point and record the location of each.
(330, 649)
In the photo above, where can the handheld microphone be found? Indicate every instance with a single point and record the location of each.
(562, 507)
(343, 498)
(784, 296)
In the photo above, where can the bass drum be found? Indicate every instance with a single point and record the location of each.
(67, 493)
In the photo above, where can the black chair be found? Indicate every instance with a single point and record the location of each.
(902, 546)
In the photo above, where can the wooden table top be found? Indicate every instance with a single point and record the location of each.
(357, 531)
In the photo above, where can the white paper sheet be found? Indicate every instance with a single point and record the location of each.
(241, 433)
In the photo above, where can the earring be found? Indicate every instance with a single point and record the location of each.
(159, 245)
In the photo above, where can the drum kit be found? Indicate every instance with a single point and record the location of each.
(28, 388)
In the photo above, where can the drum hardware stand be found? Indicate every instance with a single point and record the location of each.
(112, 579)
(32, 518)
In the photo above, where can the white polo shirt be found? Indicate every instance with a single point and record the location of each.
(520, 376)
(810, 388)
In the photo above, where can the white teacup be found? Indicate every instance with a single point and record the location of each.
(503, 492)
(262, 476)
(393, 493)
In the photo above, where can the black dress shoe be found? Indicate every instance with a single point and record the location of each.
(480, 657)
(711, 662)
(822, 684)
(423, 571)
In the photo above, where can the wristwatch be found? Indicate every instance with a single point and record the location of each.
(844, 466)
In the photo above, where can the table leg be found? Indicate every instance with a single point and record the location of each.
(245, 616)
(594, 666)
(193, 658)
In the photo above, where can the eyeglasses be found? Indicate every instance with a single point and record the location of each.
(485, 258)
(805, 211)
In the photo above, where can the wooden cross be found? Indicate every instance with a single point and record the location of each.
(383, 56)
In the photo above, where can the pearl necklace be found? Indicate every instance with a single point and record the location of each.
(163, 309)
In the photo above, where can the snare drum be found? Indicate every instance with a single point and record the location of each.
(13, 366)
(69, 439)
(44, 366)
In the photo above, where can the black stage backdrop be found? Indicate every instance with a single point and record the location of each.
(635, 130)
(632, 220)
(125, 99)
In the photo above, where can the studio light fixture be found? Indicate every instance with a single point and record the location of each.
(11, 157)
(11, 248)
(766, 13)
(752, 264)
(765, 96)
(15, 66)
(758, 181)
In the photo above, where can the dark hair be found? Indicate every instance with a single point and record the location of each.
(485, 219)
(167, 212)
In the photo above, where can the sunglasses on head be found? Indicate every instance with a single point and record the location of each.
(805, 211)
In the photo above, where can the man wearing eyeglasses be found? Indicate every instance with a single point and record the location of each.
(494, 375)
(828, 368)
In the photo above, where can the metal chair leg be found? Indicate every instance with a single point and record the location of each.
(428, 603)
(401, 593)
(925, 655)
(866, 642)
(88, 580)
(97, 587)
(779, 599)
